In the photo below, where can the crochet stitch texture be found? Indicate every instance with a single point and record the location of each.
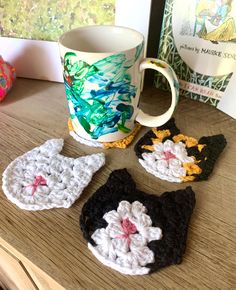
(43, 179)
(122, 144)
(170, 155)
(133, 232)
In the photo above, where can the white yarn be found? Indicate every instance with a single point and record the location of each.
(81, 140)
(65, 177)
(171, 170)
(128, 254)
(115, 266)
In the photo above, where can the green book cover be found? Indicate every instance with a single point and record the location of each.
(198, 39)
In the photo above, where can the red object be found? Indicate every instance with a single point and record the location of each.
(7, 76)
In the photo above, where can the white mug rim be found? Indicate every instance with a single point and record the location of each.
(95, 27)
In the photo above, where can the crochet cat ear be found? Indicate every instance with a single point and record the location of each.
(175, 157)
(91, 162)
(121, 180)
(43, 179)
(51, 147)
(133, 232)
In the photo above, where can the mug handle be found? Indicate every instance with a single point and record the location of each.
(162, 67)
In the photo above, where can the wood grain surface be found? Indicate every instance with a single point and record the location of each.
(13, 274)
(35, 111)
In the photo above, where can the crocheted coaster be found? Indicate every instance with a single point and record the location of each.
(122, 144)
(133, 232)
(172, 156)
(42, 178)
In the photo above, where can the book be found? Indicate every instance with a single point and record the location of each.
(198, 39)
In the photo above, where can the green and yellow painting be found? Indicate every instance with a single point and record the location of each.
(48, 19)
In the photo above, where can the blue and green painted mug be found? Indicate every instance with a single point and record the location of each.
(102, 68)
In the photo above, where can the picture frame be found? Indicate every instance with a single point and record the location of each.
(40, 59)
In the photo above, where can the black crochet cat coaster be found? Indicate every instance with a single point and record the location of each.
(133, 232)
(172, 156)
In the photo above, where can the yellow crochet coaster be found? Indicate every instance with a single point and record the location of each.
(122, 144)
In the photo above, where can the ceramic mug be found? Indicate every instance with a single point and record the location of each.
(102, 67)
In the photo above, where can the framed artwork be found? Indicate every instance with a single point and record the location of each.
(30, 29)
(198, 39)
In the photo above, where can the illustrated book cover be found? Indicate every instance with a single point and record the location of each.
(198, 39)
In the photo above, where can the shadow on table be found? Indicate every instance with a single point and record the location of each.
(23, 88)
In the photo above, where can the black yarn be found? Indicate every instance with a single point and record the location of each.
(209, 154)
(214, 146)
(171, 212)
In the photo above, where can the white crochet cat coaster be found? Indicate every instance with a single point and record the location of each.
(43, 179)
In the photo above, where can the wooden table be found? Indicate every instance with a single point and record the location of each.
(47, 246)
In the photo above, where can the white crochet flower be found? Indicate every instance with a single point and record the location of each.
(122, 245)
(166, 162)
